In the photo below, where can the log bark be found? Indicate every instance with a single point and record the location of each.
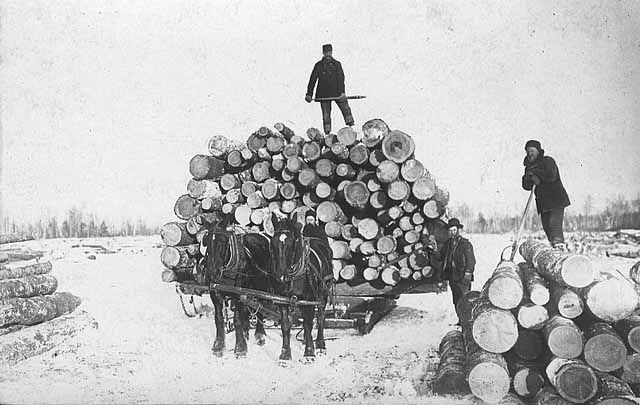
(284, 130)
(504, 288)
(563, 337)
(534, 285)
(450, 374)
(598, 296)
(34, 310)
(604, 350)
(564, 268)
(35, 340)
(206, 167)
(374, 131)
(29, 286)
(532, 316)
(34, 269)
(186, 207)
(175, 234)
(566, 302)
(629, 329)
(388, 171)
(613, 391)
(179, 256)
(573, 379)
(398, 146)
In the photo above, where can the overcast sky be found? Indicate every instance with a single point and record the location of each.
(105, 102)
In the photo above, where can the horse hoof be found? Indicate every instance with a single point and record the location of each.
(241, 355)
(321, 352)
(217, 353)
(260, 340)
(309, 359)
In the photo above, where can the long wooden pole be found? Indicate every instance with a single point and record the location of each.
(514, 248)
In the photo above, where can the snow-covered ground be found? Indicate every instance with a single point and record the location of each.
(146, 350)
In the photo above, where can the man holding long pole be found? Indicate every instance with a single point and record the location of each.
(329, 75)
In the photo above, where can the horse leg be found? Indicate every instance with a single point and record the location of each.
(239, 323)
(285, 325)
(307, 323)
(260, 332)
(320, 345)
(245, 321)
(218, 304)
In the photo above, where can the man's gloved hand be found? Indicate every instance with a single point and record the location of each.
(466, 280)
(307, 98)
(535, 179)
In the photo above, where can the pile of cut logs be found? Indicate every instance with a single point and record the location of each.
(28, 297)
(373, 198)
(550, 330)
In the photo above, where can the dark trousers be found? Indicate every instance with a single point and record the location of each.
(326, 113)
(552, 225)
(458, 289)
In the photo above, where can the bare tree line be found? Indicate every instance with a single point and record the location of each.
(78, 224)
(619, 213)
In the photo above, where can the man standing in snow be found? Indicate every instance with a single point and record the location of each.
(551, 197)
(458, 261)
(329, 75)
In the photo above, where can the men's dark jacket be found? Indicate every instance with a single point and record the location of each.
(330, 77)
(462, 258)
(550, 194)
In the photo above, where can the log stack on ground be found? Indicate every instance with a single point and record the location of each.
(578, 337)
(370, 193)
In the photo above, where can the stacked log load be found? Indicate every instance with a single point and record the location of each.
(375, 200)
(552, 329)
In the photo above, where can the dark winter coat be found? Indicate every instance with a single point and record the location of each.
(550, 194)
(462, 259)
(330, 77)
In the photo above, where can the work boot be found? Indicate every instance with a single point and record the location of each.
(561, 246)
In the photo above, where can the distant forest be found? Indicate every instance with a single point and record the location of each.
(78, 224)
(619, 213)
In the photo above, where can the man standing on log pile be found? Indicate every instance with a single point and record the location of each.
(551, 197)
(330, 77)
(458, 260)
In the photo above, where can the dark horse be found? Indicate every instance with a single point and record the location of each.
(300, 270)
(238, 260)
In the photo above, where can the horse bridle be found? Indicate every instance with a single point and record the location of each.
(297, 268)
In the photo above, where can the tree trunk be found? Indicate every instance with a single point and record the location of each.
(573, 379)
(345, 171)
(374, 131)
(423, 188)
(234, 196)
(534, 285)
(32, 341)
(370, 273)
(604, 350)
(450, 376)
(628, 328)
(229, 181)
(261, 171)
(598, 296)
(206, 167)
(34, 269)
(398, 146)
(340, 249)
(186, 207)
(288, 191)
(211, 204)
(28, 286)
(504, 288)
(356, 194)
(532, 316)
(175, 234)
(179, 256)
(563, 337)
(256, 200)
(566, 302)
(630, 371)
(34, 310)
(563, 268)
(431, 209)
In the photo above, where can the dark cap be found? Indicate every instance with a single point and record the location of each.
(533, 144)
(327, 48)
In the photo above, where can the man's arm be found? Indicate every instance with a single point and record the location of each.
(312, 81)
(340, 79)
(470, 260)
(549, 172)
